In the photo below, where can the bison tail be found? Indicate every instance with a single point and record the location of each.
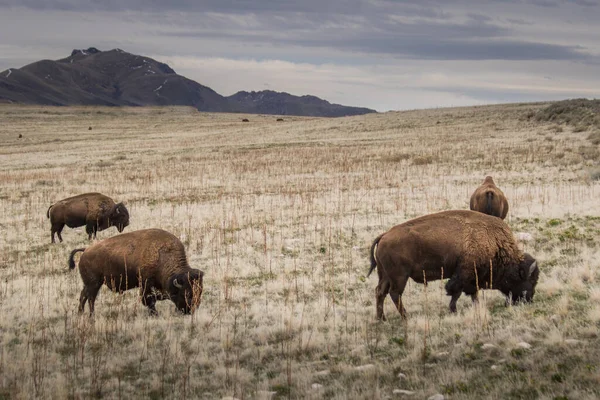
(372, 254)
(48, 212)
(71, 260)
(489, 203)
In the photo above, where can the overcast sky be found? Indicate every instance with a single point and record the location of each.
(382, 54)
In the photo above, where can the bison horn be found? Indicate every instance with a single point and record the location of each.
(117, 210)
(532, 268)
(177, 284)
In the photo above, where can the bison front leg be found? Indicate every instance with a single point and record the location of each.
(454, 288)
(149, 300)
(473, 292)
(91, 228)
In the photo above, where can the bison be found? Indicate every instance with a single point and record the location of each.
(94, 210)
(151, 259)
(490, 200)
(475, 250)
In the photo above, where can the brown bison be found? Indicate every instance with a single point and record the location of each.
(490, 200)
(94, 210)
(475, 250)
(151, 259)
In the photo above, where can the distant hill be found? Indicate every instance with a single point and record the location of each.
(118, 78)
(270, 102)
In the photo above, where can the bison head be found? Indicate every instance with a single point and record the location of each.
(185, 290)
(119, 217)
(520, 285)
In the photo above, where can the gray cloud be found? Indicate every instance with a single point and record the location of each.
(336, 49)
(429, 8)
(475, 39)
(429, 30)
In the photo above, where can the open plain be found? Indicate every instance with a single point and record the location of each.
(280, 216)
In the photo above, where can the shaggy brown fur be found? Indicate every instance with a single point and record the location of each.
(94, 210)
(490, 200)
(151, 259)
(474, 250)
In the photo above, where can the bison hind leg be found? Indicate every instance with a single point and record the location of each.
(58, 233)
(83, 297)
(56, 228)
(382, 289)
(89, 294)
(397, 299)
(397, 288)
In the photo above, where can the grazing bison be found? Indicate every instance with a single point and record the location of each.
(94, 210)
(245, 120)
(476, 251)
(151, 259)
(490, 200)
(279, 119)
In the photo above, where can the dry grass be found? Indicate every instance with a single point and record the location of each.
(280, 216)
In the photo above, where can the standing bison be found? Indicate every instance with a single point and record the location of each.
(151, 259)
(490, 200)
(475, 250)
(94, 210)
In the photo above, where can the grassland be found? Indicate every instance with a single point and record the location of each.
(280, 216)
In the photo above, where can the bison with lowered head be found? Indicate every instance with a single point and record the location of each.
(490, 200)
(94, 210)
(151, 259)
(475, 250)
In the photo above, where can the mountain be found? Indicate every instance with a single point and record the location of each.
(270, 102)
(111, 78)
(118, 78)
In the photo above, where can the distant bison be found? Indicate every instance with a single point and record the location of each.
(94, 210)
(245, 120)
(490, 200)
(279, 119)
(20, 135)
(151, 259)
(476, 251)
